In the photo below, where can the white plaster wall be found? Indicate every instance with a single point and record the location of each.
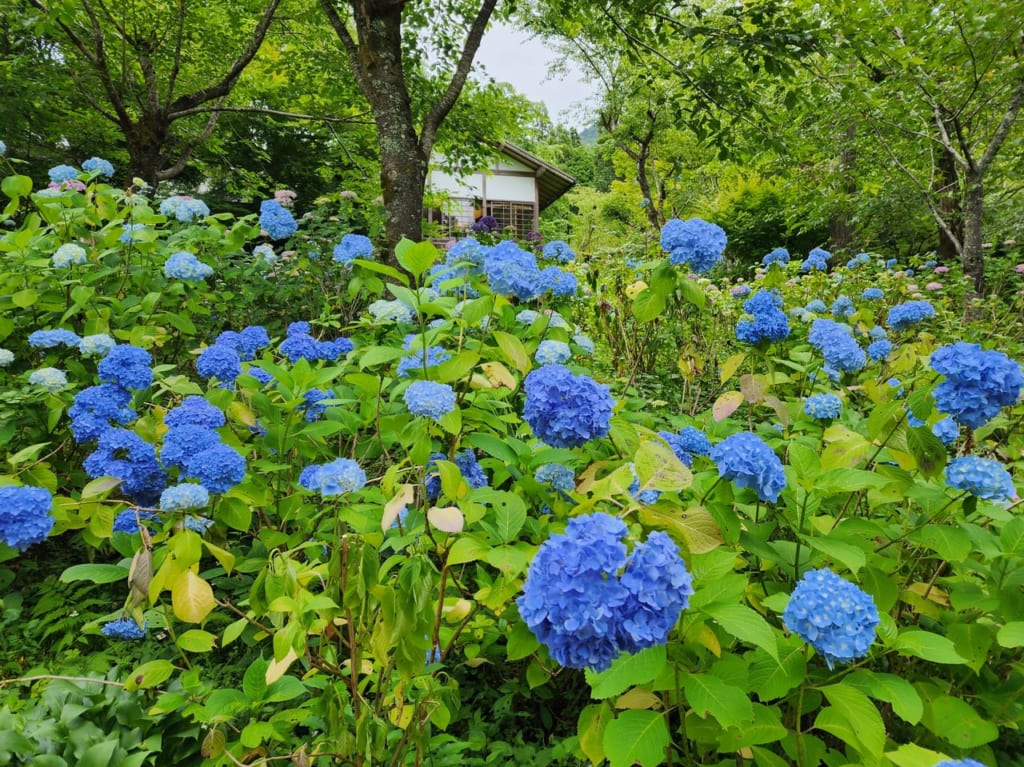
(470, 186)
(514, 188)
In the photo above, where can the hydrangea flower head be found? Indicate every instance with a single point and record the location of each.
(832, 615)
(978, 383)
(740, 291)
(879, 350)
(185, 266)
(513, 271)
(429, 357)
(391, 311)
(558, 250)
(767, 323)
(486, 224)
(469, 467)
(195, 411)
(840, 350)
(843, 307)
(128, 520)
(218, 468)
(61, 173)
(585, 342)
(778, 256)
(817, 306)
(96, 409)
(902, 316)
(184, 208)
(98, 165)
(353, 246)
(429, 399)
(6, 357)
(48, 339)
(128, 367)
(982, 477)
(817, 260)
(946, 430)
(276, 220)
(24, 515)
(221, 362)
(558, 282)
(558, 476)
(823, 406)
(551, 352)
(264, 254)
(960, 763)
(68, 254)
(98, 345)
(689, 442)
(659, 587)
(124, 628)
(693, 242)
(184, 496)
(51, 379)
(566, 410)
(128, 233)
(126, 456)
(340, 476)
(748, 461)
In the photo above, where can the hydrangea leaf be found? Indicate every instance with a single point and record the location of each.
(726, 405)
(191, 597)
(96, 573)
(772, 677)
(416, 257)
(927, 646)
(695, 529)
(858, 712)
(448, 519)
(745, 624)
(636, 737)
(730, 366)
(958, 723)
(912, 755)
(627, 671)
(648, 304)
(513, 351)
(590, 727)
(1011, 635)
(658, 468)
(708, 694)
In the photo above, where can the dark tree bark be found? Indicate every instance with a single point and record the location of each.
(146, 117)
(841, 226)
(375, 55)
(951, 207)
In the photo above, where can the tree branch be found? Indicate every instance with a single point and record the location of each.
(223, 88)
(272, 113)
(341, 30)
(186, 154)
(444, 105)
(1003, 130)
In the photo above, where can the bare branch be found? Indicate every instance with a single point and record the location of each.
(1003, 130)
(186, 154)
(273, 113)
(341, 30)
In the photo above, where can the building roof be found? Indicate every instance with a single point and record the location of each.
(552, 183)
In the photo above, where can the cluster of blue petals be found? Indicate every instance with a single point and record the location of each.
(840, 350)
(276, 220)
(978, 383)
(48, 339)
(767, 323)
(832, 615)
(879, 350)
(909, 313)
(124, 628)
(748, 461)
(98, 165)
(823, 406)
(558, 476)
(778, 256)
(184, 496)
(128, 367)
(353, 246)
(558, 250)
(817, 260)
(98, 408)
(429, 357)
(471, 470)
(186, 266)
(195, 411)
(221, 362)
(300, 345)
(429, 399)
(123, 454)
(339, 476)
(24, 515)
(688, 443)
(982, 477)
(184, 208)
(694, 242)
(566, 410)
(551, 352)
(843, 308)
(587, 601)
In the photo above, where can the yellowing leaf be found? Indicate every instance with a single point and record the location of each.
(726, 405)
(406, 495)
(191, 597)
(731, 365)
(447, 519)
(637, 699)
(499, 376)
(276, 668)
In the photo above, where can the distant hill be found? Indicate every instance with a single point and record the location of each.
(588, 135)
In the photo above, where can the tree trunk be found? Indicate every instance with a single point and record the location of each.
(841, 227)
(974, 208)
(950, 207)
(145, 141)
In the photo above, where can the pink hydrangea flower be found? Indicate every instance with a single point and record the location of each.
(285, 197)
(933, 286)
(1019, 268)
(912, 286)
(941, 269)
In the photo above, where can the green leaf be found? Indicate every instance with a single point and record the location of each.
(745, 624)
(658, 468)
(927, 646)
(16, 186)
(695, 529)
(901, 694)
(94, 573)
(726, 702)
(1011, 635)
(928, 451)
(467, 548)
(521, 642)
(493, 447)
(692, 293)
(636, 737)
(508, 513)
(950, 543)
(627, 671)
(860, 714)
(513, 351)
(648, 305)
(416, 257)
(590, 728)
(845, 553)
(771, 677)
(254, 682)
(25, 298)
(196, 640)
(284, 689)
(149, 675)
(912, 755)
(98, 755)
(958, 723)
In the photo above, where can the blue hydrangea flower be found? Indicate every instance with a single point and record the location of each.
(259, 374)
(551, 352)
(468, 253)
(24, 515)
(896, 384)
(340, 476)
(353, 246)
(185, 266)
(584, 342)
(687, 443)
(429, 399)
(740, 291)
(126, 456)
(429, 357)
(558, 282)
(470, 468)
(891, 263)
(391, 311)
(843, 308)
(646, 497)
(68, 255)
(99, 166)
(48, 339)
(817, 306)
(198, 524)
(879, 350)
(872, 294)
(778, 256)
(693, 242)
(858, 260)
(659, 588)
(184, 208)
(218, 468)
(311, 403)
(184, 496)
(768, 322)
(960, 763)
(51, 379)
(60, 173)
(823, 406)
(124, 628)
(6, 357)
(246, 342)
(946, 430)
(566, 410)
(220, 362)
(817, 260)
(195, 411)
(96, 409)
(558, 250)
(185, 440)
(276, 220)
(748, 461)
(98, 345)
(587, 602)
(978, 383)
(982, 477)
(838, 347)
(128, 520)
(128, 367)
(832, 615)
(902, 316)
(513, 271)
(559, 477)
(264, 255)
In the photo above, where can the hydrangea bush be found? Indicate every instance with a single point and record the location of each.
(343, 510)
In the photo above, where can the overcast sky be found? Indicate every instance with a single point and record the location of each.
(512, 56)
